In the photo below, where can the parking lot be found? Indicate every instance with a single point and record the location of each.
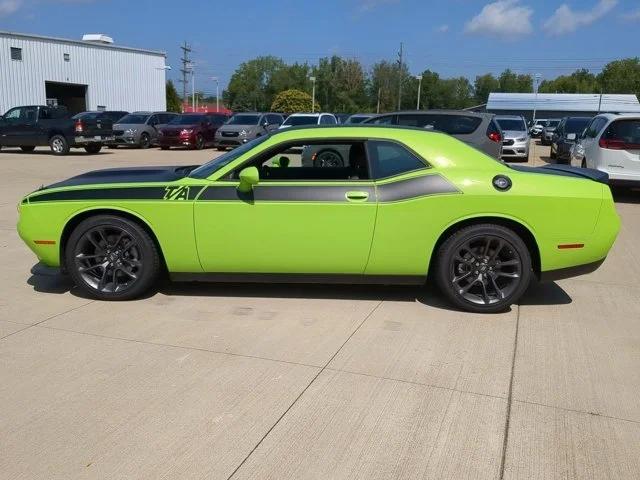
(318, 382)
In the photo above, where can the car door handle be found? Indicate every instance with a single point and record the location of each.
(357, 196)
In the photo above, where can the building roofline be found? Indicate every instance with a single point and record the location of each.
(31, 36)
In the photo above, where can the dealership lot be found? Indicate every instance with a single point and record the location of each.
(290, 381)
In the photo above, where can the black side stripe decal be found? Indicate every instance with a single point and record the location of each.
(285, 193)
(414, 188)
(120, 193)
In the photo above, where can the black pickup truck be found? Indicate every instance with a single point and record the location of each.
(34, 126)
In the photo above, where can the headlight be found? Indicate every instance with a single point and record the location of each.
(131, 131)
(186, 131)
(243, 133)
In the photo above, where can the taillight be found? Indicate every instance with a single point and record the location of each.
(79, 126)
(494, 137)
(614, 144)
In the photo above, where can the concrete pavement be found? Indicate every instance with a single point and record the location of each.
(311, 382)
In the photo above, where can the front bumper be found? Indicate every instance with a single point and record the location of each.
(126, 140)
(519, 151)
(177, 141)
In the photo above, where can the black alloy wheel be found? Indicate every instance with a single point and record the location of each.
(328, 158)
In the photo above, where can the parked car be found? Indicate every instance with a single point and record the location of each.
(611, 144)
(243, 127)
(400, 212)
(516, 140)
(536, 128)
(359, 118)
(297, 119)
(565, 135)
(39, 125)
(140, 129)
(342, 117)
(111, 115)
(547, 131)
(479, 130)
(191, 130)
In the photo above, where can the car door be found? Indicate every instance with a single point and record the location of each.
(296, 220)
(20, 127)
(589, 142)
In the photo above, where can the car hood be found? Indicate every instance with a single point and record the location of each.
(180, 127)
(126, 175)
(513, 134)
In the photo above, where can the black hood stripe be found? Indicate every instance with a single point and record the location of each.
(120, 193)
(415, 188)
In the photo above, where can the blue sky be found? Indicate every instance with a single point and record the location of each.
(452, 37)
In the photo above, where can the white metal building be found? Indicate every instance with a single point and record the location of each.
(89, 74)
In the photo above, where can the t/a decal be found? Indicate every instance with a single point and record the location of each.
(176, 193)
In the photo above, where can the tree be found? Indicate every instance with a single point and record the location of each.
(511, 82)
(621, 76)
(174, 104)
(580, 81)
(293, 101)
(341, 84)
(248, 87)
(384, 85)
(483, 86)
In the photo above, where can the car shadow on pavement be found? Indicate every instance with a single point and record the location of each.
(49, 280)
(625, 195)
(73, 152)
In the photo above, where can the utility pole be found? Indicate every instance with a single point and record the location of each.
(535, 101)
(379, 93)
(600, 101)
(400, 60)
(215, 79)
(419, 77)
(313, 94)
(186, 49)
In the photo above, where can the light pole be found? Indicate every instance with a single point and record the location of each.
(419, 77)
(313, 94)
(215, 79)
(535, 99)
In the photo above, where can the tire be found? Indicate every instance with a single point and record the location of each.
(583, 164)
(93, 148)
(163, 147)
(27, 148)
(59, 145)
(328, 158)
(145, 141)
(135, 265)
(486, 291)
(199, 142)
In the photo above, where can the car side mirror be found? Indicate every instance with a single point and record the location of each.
(249, 178)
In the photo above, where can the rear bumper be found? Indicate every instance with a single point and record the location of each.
(569, 272)
(84, 140)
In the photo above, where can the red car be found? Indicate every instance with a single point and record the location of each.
(191, 130)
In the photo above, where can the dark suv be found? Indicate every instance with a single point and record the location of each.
(567, 132)
(480, 130)
(191, 130)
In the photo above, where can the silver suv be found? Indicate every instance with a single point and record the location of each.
(515, 137)
(140, 129)
(243, 127)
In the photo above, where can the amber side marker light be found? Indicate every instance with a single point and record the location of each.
(565, 246)
(44, 242)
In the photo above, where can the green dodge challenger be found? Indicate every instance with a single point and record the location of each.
(405, 207)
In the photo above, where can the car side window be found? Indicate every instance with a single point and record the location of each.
(153, 120)
(326, 160)
(389, 159)
(386, 120)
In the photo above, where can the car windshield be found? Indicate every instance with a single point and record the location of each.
(186, 119)
(540, 122)
(209, 168)
(357, 118)
(244, 120)
(301, 120)
(134, 118)
(511, 124)
(552, 123)
(88, 115)
(575, 125)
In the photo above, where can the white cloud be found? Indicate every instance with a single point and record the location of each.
(7, 7)
(368, 5)
(442, 28)
(502, 18)
(565, 20)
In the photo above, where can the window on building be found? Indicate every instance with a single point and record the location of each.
(66, 57)
(16, 53)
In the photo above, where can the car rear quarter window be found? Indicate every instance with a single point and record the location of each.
(451, 124)
(385, 120)
(388, 159)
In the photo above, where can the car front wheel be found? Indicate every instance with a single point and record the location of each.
(112, 258)
(483, 268)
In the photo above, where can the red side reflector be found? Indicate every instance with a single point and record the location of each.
(44, 242)
(565, 246)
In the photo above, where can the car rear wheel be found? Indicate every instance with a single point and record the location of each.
(27, 148)
(199, 142)
(483, 268)
(59, 145)
(145, 141)
(112, 258)
(93, 148)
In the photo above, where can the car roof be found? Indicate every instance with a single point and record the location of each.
(509, 117)
(302, 114)
(439, 112)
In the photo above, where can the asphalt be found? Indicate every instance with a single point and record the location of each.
(311, 382)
